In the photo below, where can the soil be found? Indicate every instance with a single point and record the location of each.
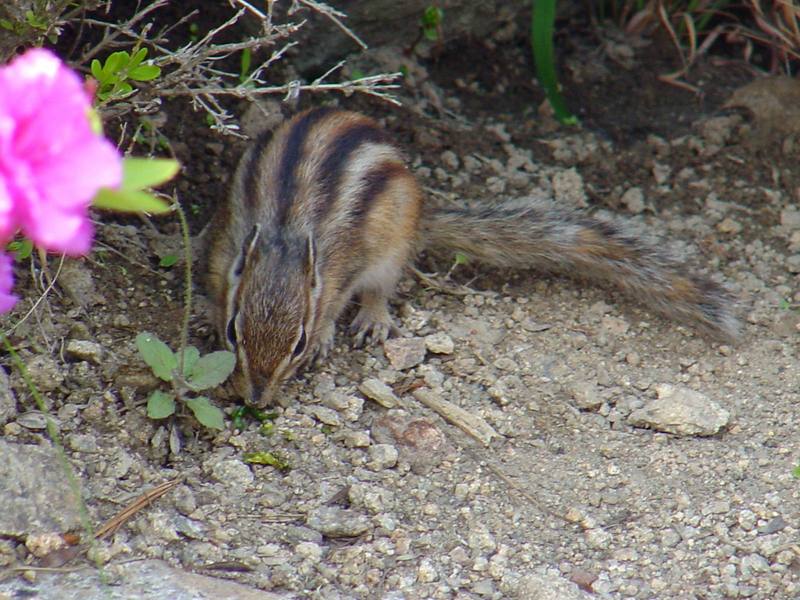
(573, 496)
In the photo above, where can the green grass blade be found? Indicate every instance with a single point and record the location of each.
(543, 19)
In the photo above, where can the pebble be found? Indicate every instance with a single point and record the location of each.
(681, 411)
(376, 390)
(586, 395)
(439, 343)
(404, 353)
(728, 225)
(45, 373)
(8, 401)
(790, 218)
(236, 475)
(335, 522)
(357, 439)
(633, 199)
(85, 350)
(382, 456)
(326, 415)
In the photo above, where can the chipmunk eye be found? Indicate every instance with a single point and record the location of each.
(230, 330)
(300, 345)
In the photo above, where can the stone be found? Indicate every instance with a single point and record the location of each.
(681, 411)
(336, 522)
(404, 353)
(376, 390)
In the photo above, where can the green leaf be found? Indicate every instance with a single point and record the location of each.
(160, 405)
(137, 58)
(796, 472)
(168, 260)
(461, 259)
(144, 73)
(97, 69)
(432, 16)
(212, 369)
(22, 249)
(542, 32)
(265, 458)
(140, 173)
(129, 201)
(209, 415)
(190, 356)
(244, 68)
(157, 355)
(114, 62)
(123, 88)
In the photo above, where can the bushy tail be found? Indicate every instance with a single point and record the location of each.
(538, 234)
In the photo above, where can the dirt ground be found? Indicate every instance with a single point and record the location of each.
(578, 494)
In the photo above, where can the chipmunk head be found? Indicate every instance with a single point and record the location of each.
(271, 309)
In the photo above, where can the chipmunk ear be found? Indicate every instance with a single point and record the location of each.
(234, 277)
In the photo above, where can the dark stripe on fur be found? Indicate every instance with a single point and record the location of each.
(335, 163)
(375, 183)
(250, 171)
(292, 155)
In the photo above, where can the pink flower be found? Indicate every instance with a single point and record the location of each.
(51, 162)
(7, 299)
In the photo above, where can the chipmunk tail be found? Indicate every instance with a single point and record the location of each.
(538, 234)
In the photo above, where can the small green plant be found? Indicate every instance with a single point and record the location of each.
(114, 75)
(196, 374)
(543, 20)
(266, 458)
(430, 27)
(244, 65)
(431, 23)
(21, 249)
(168, 260)
(459, 259)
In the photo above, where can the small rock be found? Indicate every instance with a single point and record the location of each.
(775, 525)
(236, 475)
(420, 442)
(439, 343)
(8, 402)
(76, 279)
(82, 442)
(335, 522)
(309, 550)
(449, 159)
(728, 225)
(326, 415)
(790, 218)
(586, 395)
(382, 456)
(633, 199)
(793, 263)
(681, 411)
(85, 350)
(45, 373)
(376, 390)
(404, 353)
(568, 188)
(426, 572)
(357, 439)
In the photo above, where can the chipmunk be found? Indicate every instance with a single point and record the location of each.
(326, 209)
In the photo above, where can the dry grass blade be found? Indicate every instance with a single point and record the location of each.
(134, 507)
